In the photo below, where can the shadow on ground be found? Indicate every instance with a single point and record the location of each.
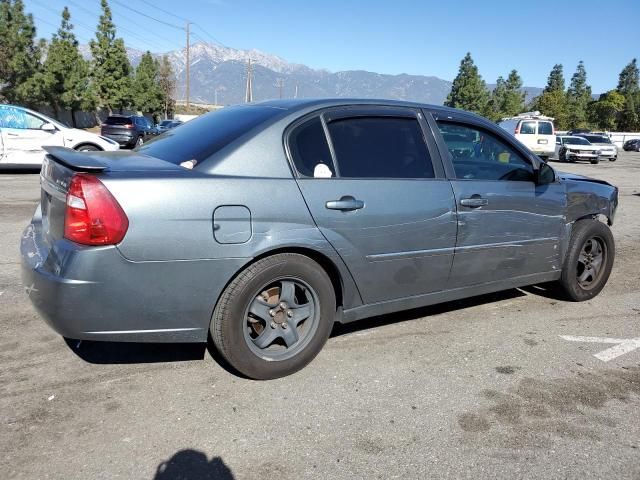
(193, 465)
(130, 353)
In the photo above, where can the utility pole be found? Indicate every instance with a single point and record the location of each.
(279, 84)
(248, 97)
(296, 94)
(188, 62)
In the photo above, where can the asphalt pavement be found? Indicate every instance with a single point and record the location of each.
(499, 386)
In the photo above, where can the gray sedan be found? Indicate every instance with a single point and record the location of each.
(263, 224)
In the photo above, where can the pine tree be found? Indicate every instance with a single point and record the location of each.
(496, 100)
(147, 96)
(553, 101)
(555, 81)
(578, 97)
(629, 88)
(19, 54)
(468, 91)
(111, 69)
(513, 102)
(167, 82)
(65, 75)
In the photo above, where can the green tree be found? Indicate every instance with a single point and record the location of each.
(65, 74)
(496, 100)
(629, 88)
(555, 81)
(578, 98)
(468, 91)
(110, 67)
(605, 111)
(19, 54)
(553, 101)
(513, 101)
(147, 96)
(167, 83)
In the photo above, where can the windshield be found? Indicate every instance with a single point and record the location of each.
(201, 137)
(575, 141)
(118, 121)
(166, 123)
(597, 138)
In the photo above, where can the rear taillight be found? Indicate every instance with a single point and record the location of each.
(128, 125)
(93, 216)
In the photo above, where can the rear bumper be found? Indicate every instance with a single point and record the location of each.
(124, 140)
(94, 293)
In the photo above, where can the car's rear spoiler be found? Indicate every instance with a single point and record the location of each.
(77, 161)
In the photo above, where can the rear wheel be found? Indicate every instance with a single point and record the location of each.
(589, 260)
(87, 148)
(595, 161)
(139, 141)
(275, 316)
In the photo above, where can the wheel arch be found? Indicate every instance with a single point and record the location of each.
(84, 144)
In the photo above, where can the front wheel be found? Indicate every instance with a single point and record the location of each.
(613, 159)
(589, 260)
(595, 161)
(275, 316)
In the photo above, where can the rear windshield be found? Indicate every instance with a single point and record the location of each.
(118, 121)
(528, 128)
(575, 141)
(597, 138)
(545, 128)
(166, 123)
(201, 137)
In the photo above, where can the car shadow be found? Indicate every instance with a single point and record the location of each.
(413, 314)
(126, 352)
(192, 464)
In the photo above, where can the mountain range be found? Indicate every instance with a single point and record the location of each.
(219, 73)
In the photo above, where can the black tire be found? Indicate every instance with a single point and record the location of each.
(139, 142)
(583, 232)
(232, 324)
(562, 156)
(613, 159)
(595, 161)
(87, 148)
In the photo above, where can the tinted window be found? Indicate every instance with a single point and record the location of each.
(380, 147)
(528, 128)
(201, 137)
(477, 154)
(309, 148)
(165, 123)
(545, 128)
(597, 138)
(118, 121)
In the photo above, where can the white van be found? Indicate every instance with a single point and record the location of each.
(533, 130)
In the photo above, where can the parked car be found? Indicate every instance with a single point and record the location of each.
(574, 148)
(607, 148)
(632, 145)
(533, 130)
(263, 224)
(577, 131)
(24, 134)
(128, 130)
(165, 125)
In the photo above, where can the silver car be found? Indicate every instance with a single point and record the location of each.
(607, 148)
(263, 224)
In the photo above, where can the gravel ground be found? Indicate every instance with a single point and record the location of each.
(482, 388)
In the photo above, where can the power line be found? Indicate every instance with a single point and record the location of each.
(148, 16)
(165, 11)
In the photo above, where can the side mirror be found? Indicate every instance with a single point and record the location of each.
(48, 127)
(544, 174)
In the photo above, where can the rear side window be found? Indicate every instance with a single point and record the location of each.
(528, 128)
(201, 137)
(380, 147)
(545, 128)
(118, 121)
(309, 149)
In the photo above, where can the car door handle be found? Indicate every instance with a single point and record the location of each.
(474, 202)
(345, 203)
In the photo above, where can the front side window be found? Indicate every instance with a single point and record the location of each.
(11, 117)
(479, 155)
(528, 128)
(380, 147)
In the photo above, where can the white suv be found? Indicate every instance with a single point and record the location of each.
(24, 133)
(533, 130)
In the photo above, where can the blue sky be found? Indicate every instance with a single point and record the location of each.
(401, 36)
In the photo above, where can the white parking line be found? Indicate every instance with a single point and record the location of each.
(623, 345)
